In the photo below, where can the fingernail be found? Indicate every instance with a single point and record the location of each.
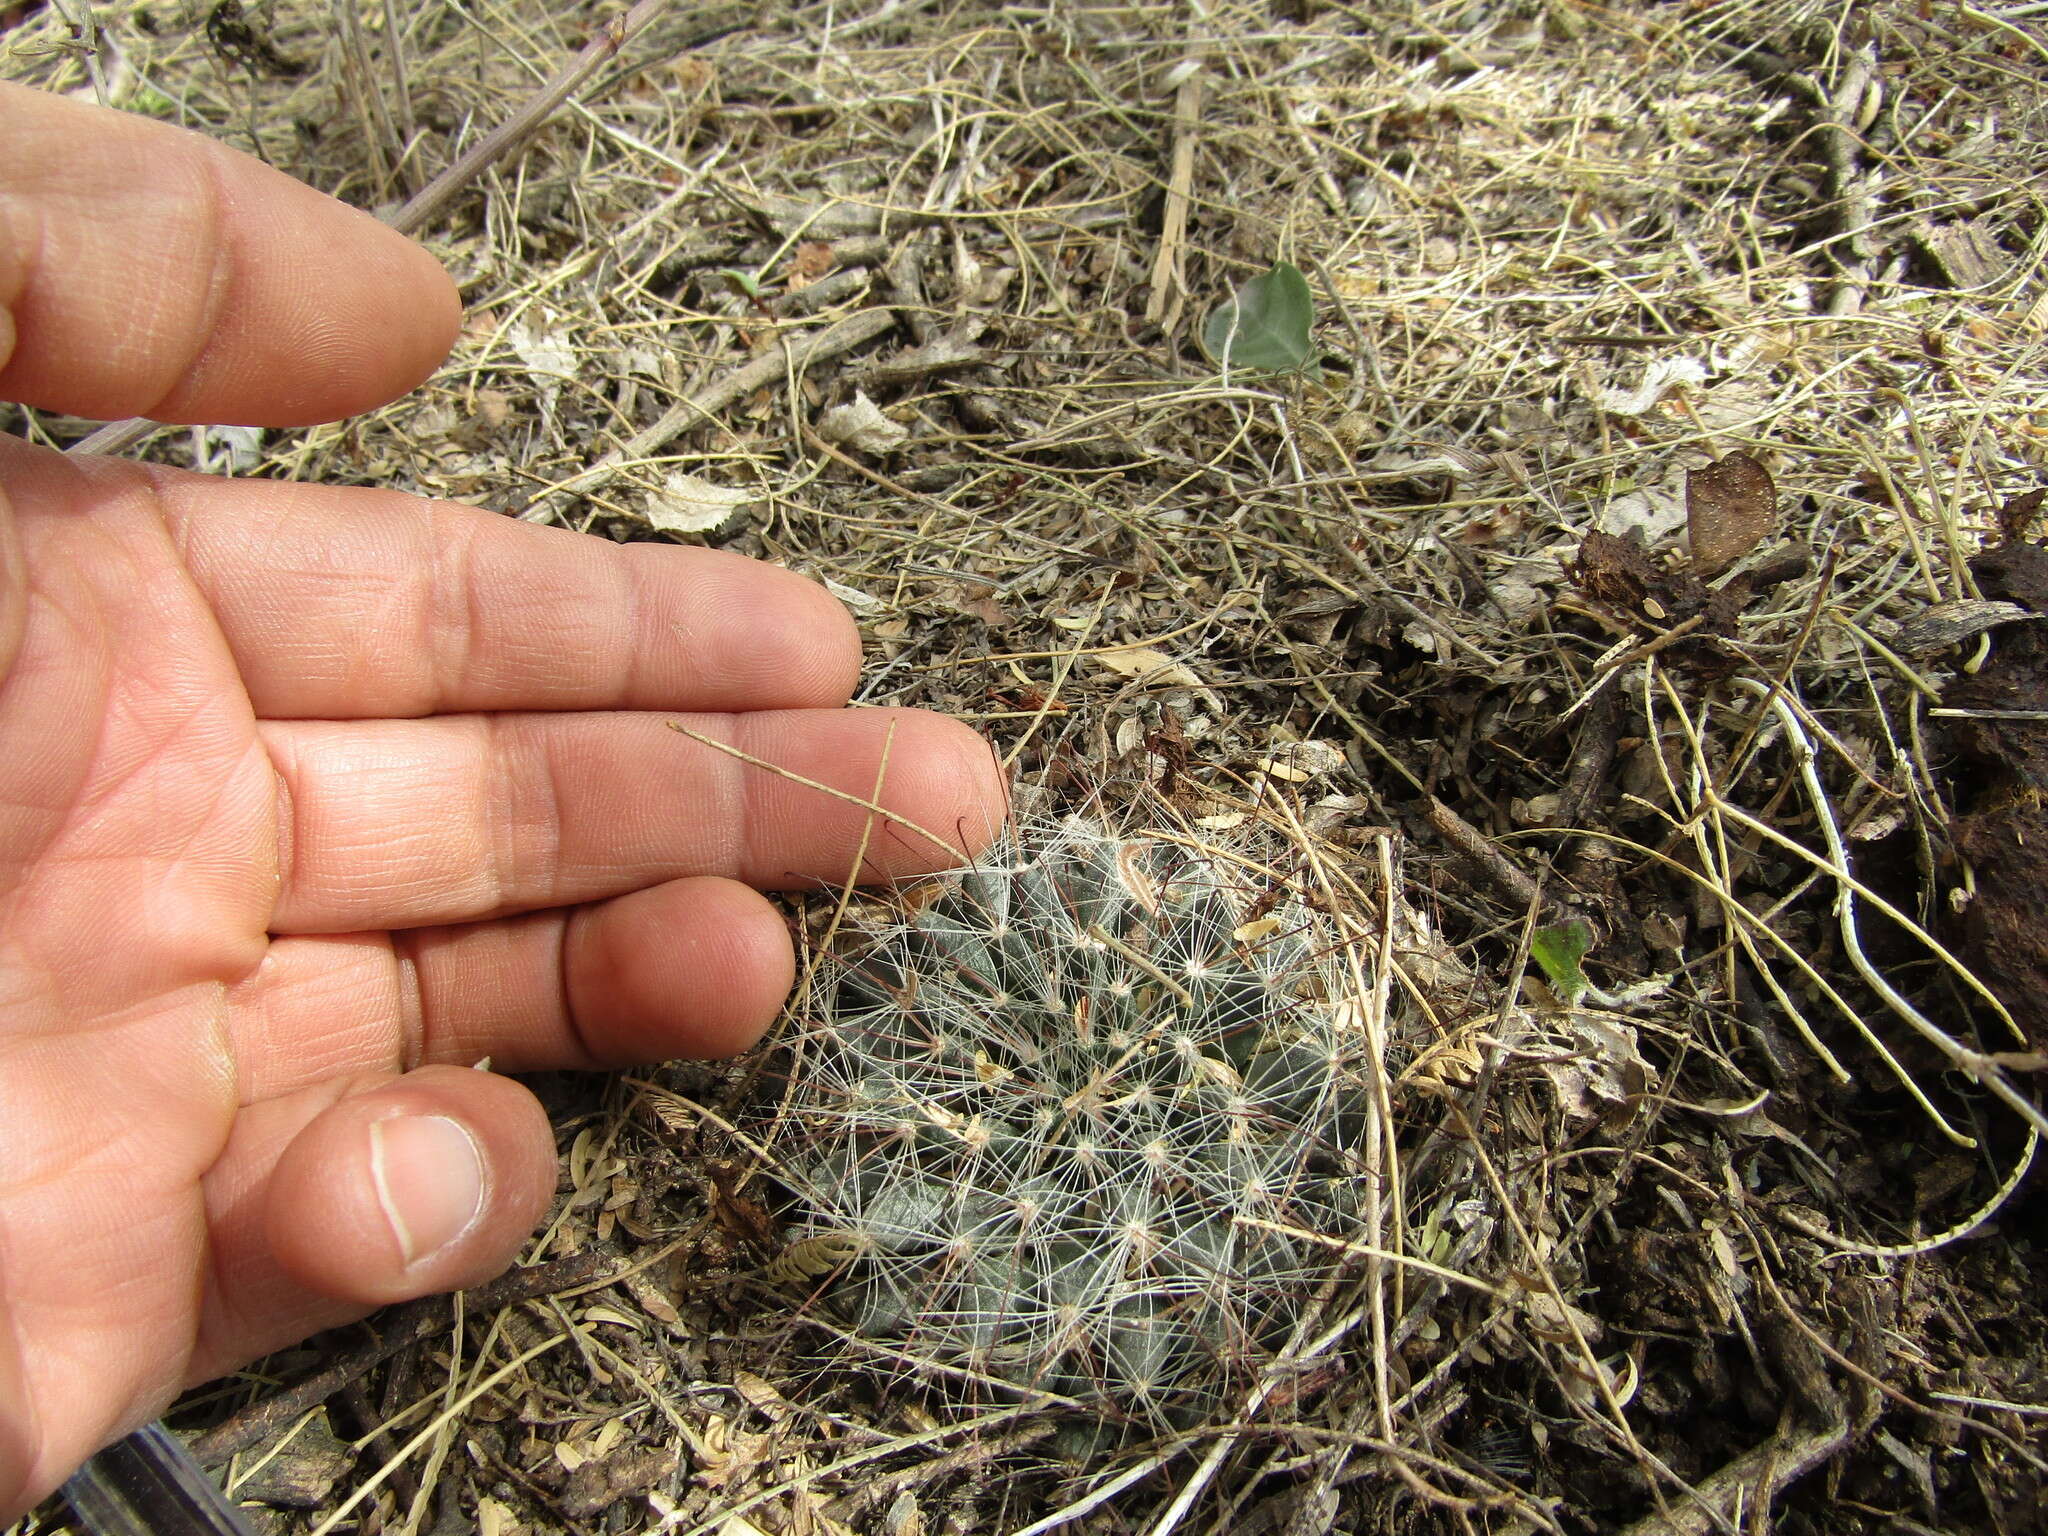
(429, 1179)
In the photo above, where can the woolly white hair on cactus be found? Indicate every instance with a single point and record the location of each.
(1059, 1112)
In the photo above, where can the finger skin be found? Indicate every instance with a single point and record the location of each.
(18, 1452)
(694, 967)
(342, 603)
(103, 1239)
(146, 271)
(406, 823)
(13, 589)
(299, 1239)
(190, 1182)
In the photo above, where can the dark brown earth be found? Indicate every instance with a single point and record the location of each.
(2002, 776)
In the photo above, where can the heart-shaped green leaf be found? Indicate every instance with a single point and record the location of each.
(1265, 328)
(1559, 949)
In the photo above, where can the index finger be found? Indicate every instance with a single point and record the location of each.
(146, 271)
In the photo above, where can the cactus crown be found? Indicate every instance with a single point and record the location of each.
(1059, 1113)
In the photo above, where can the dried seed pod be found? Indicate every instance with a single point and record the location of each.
(811, 1258)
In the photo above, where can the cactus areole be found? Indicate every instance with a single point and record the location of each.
(1077, 1125)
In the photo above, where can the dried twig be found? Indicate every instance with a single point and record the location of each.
(702, 408)
(406, 1327)
(1481, 854)
(1751, 1481)
(1169, 264)
(418, 212)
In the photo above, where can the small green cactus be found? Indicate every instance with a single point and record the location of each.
(1055, 1117)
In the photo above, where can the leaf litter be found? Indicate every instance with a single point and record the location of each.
(1648, 552)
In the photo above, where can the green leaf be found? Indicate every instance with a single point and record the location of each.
(1559, 949)
(745, 284)
(1265, 328)
(150, 102)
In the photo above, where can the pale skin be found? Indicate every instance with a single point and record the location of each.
(311, 798)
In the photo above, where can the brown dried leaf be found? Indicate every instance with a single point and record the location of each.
(598, 1485)
(726, 1454)
(2016, 517)
(738, 1213)
(1147, 662)
(761, 1393)
(1730, 505)
(1946, 624)
(1614, 570)
(980, 603)
(811, 260)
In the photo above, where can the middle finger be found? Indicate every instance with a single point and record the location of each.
(404, 823)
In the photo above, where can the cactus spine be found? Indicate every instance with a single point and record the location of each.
(1053, 1119)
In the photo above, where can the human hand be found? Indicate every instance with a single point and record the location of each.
(310, 798)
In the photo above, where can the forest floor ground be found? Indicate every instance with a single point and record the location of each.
(1647, 546)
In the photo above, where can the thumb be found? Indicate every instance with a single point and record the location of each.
(329, 1203)
(426, 1183)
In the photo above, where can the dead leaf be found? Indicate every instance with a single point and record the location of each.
(739, 1213)
(1551, 1318)
(600, 1483)
(685, 504)
(1601, 1073)
(904, 1518)
(493, 408)
(1446, 1064)
(726, 1456)
(980, 603)
(1149, 663)
(1298, 762)
(1661, 376)
(860, 425)
(811, 260)
(865, 604)
(2016, 517)
(761, 1393)
(550, 356)
(1647, 512)
(1730, 505)
(1285, 772)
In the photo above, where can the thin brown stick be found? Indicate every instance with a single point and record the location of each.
(1744, 1488)
(1169, 266)
(702, 408)
(613, 36)
(958, 854)
(406, 1326)
(420, 210)
(1506, 877)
